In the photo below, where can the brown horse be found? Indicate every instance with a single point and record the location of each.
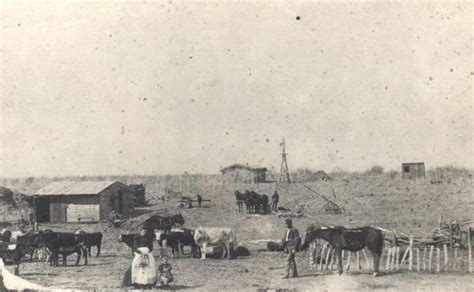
(354, 239)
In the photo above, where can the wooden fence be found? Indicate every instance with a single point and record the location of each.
(415, 254)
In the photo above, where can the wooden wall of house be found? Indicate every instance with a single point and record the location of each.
(58, 205)
(239, 175)
(415, 170)
(109, 200)
(243, 175)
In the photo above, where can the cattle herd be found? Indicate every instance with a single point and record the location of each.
(14, 247)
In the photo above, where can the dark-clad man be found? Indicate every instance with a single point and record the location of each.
(291, 241)
(275, 199)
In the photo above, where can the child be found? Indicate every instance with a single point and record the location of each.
(165, 276)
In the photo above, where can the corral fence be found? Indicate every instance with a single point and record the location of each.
(401, 252)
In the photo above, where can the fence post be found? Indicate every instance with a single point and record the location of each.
(387, 264)
(358, 261)
(445, 247)
(330, 251)
(455, 258)
(397, 257)
(417, 259)
(438, 255)
(469, 243)
(410, 256)
(332, 258)
(424, 258)
(312, 254)
(431, 256)
(450, 235)
(348, 261)
(322, 255)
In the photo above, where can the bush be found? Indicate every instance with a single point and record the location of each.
(374, 170)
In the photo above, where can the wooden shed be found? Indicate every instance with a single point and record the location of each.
(82, 201)
(413, 170)
(244, 174)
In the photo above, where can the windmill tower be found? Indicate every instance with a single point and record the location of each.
(284, 172)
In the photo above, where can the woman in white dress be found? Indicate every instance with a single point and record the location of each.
(143, 265)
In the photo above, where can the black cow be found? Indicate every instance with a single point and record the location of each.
(131, 240)
(163, 222)
(90, 240)
(64, 244)
(33, 240)
(178, 239)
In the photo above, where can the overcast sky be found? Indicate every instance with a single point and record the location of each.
(167, 87)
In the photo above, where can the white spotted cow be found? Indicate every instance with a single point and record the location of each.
(215, 236)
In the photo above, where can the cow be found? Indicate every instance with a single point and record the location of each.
(177, 239)
(163, 222)
(90, 240)
(33, 240)
(130, 240)
(64, 244)
(225, 237)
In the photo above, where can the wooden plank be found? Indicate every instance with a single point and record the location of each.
(404, 257)
(430, 258)
(455, 258)
(410, 256)
(438, 261)
(358, 261)
(424, 258)
(348, 266)
(332, 259)
(445, 248)
(394, 256)
(417, 259)
(397, 258)
(469, 244)
(321, 256)
(450, 235)
(328, 254)
(387, 263)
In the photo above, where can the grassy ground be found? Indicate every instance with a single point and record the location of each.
(404, 206)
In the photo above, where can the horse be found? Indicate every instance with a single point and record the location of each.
(263, 203)
(240, 199)
(351, 239)
(163, 222)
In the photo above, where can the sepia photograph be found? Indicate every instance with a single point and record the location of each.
(236, 145)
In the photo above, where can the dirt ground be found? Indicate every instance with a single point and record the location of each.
(405, 206)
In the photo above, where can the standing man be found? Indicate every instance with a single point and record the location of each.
(291, 242)
(199, 199)
(275, 199)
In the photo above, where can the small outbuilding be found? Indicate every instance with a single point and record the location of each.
(82, 201)
(413, 170)
(242, 173)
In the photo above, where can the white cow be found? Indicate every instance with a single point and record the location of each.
(215, 236)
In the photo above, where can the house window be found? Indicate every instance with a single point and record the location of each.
(406, 168)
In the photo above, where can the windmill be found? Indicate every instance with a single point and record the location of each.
(284, 172)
